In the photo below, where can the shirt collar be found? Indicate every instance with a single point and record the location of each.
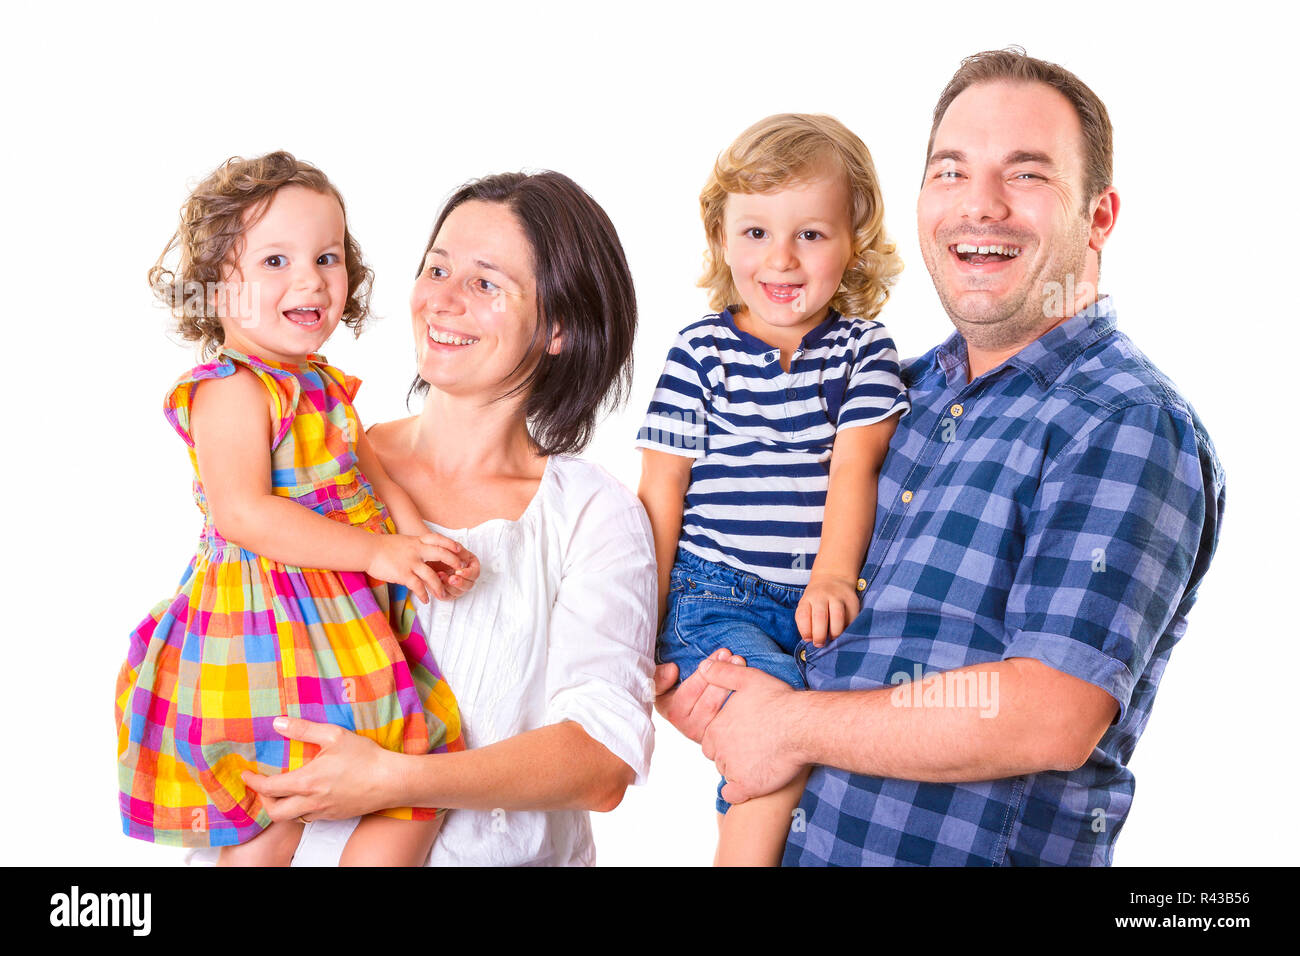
(758, 346)
(1043, 359)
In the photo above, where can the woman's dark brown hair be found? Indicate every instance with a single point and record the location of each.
(584, 288)
(212, 223)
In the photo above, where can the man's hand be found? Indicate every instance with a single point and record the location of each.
(828, 604)
(749, 741)
(691, 706)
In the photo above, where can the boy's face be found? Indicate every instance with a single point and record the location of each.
(290, 284)
(788, 250)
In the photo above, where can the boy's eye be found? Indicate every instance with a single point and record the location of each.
(273, 262)
(755, 232)
(810, 234)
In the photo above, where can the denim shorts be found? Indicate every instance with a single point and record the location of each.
(712, 606)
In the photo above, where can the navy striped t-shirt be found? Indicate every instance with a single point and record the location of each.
(761, 437)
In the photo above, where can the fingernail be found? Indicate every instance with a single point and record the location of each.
(705, 664)
(281, 724)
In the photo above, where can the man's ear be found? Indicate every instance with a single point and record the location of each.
(1104, 214)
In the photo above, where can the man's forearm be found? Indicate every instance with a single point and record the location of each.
(982, 722)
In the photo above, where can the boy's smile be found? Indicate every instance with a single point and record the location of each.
(787, 251)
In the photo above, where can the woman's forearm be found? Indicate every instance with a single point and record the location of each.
(557, 767)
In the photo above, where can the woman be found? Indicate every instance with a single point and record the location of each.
(524, 316)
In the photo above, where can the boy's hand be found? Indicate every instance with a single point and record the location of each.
(828, 604)
(405, 559)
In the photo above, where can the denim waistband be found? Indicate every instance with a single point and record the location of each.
(741, 580)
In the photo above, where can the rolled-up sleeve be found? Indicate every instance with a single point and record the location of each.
(1111, 547)
(600, 663)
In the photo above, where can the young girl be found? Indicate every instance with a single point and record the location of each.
(772, 411)
(288, 486)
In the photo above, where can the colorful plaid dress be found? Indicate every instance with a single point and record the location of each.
(246, 639)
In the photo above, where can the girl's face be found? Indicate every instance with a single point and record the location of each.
(289, 284)
(788, 250)
(474, 307)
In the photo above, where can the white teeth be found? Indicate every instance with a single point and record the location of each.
(446, 338)
(965, 248)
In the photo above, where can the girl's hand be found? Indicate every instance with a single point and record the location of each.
(404, 559)
(351, 776)
(828, 604)
(459, 580)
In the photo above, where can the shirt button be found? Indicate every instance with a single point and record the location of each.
(907, 496)
(789, 393)
(771, 357)
(862, 584)
(956, 411)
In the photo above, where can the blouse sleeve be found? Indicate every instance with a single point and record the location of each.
(600, 665)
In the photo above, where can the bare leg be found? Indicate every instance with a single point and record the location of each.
(753, 833)
(274, 846)
(387, 841)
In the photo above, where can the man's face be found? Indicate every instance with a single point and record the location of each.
(1006, 171)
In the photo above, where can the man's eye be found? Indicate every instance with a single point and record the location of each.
(755, 233)
(273, 262)
(948, 174)
(327, 259)
(1028, 176)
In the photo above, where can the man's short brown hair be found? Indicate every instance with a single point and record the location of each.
(1014, 65)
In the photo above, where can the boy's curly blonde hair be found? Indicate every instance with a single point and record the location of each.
(208, 239)
(789, 148)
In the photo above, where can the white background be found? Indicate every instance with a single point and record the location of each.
(109, 115)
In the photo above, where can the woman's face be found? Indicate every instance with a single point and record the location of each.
(474, 306)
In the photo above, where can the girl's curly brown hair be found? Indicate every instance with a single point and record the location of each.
(212, 224)
(788, 148)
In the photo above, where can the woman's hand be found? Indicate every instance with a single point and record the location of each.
(348, 778)
(829, 602)
(405, 559)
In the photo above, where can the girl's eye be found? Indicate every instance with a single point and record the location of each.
(327, 259)
(273, 262)
(810, 234)
(755, 233)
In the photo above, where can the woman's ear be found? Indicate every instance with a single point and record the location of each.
(556, 344)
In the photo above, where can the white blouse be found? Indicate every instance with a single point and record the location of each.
(560, 626)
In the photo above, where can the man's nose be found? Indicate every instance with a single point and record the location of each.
(983, 198)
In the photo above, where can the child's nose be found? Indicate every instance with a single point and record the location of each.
(781, 255)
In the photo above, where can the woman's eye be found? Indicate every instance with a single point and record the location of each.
(327, 259)
(755, 233)
(485, 286)
(436, 272)
(273, 262)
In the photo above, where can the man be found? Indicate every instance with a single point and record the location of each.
(1046, 513)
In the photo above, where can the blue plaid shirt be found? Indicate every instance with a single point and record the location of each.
(1062, 507)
